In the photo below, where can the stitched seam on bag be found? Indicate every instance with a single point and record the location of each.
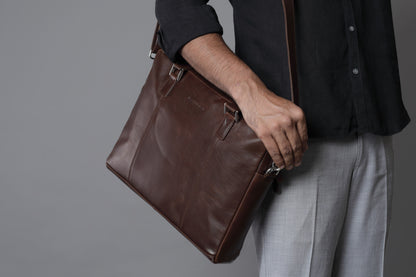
(135, 114)
(239, 206)
(159, 211)
(146, 131)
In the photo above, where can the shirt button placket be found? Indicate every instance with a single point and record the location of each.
(355, 70)
(357, 86)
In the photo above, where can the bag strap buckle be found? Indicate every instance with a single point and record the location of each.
(273, 170)
(152, 54)
(233, 111)
(179, 73)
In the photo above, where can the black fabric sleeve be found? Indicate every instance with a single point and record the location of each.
(181, 21)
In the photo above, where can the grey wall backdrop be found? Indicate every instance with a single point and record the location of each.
(70, 72)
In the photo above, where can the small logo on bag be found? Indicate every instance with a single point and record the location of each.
(195, 103)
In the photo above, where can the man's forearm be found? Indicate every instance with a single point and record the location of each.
(213, 59)
(278, 122)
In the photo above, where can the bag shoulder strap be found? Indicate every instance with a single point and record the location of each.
(154, 47)
(289, 14)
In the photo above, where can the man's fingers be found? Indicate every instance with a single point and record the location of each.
(273, 150)
(285, 148)
(303, 132)
(296, 144)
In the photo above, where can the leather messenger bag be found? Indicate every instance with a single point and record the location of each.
(186, 150)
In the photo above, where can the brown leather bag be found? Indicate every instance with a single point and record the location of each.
(187, 151)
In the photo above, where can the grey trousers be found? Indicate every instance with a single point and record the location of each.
(332, 215)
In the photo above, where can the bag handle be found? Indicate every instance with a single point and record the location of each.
(289, 14)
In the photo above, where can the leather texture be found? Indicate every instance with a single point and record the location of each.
(187, 151)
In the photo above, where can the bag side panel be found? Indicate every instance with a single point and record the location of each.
(122, 154)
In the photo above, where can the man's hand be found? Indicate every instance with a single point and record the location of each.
(278, 122)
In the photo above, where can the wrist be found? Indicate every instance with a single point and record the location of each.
(246, 86)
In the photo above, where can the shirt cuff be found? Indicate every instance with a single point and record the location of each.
(179, 25)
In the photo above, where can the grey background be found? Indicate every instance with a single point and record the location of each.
(70, 72)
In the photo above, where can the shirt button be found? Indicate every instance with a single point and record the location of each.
(355, 71)
(351, 28)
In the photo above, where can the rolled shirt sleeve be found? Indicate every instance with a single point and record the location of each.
(181, 21)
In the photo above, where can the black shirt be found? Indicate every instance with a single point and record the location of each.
(348, 74)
